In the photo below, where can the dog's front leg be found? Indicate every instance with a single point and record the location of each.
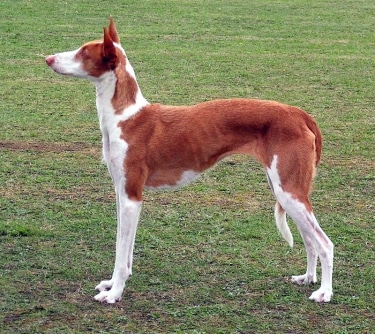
(118, 183)
(127, 221)
(107, 284)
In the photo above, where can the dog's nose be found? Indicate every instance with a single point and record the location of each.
(50, 60)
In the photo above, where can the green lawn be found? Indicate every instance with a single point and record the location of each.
(208, 258)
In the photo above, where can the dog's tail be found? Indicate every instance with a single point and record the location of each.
(282, 225)
(311, 124)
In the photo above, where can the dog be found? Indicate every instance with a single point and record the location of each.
(161, 146)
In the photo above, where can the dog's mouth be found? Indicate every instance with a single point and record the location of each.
(58, 71)
(68, 74)
(51, 62)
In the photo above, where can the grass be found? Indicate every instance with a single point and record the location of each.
(208, 258)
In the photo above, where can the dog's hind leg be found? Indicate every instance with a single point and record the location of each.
(296, 204)
(310, 276)
(317, 244)
(312, 258)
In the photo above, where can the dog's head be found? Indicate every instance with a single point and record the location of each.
(92, 59)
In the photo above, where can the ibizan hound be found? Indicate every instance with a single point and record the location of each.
(159, 146)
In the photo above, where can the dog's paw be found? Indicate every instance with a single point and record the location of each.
(304, 279)
(322, 295)
(109, 296)
(104, 285)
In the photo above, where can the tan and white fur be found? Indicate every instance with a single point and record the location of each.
(160, 146)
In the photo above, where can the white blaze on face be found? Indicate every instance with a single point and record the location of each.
(66, 63)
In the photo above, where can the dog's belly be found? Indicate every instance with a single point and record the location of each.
(170, 178)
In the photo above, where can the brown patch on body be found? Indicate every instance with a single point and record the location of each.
(165, 141)
(126, 89)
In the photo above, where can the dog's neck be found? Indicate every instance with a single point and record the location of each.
(118, 93)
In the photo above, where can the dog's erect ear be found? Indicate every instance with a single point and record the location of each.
(113, 31)
(109, 51)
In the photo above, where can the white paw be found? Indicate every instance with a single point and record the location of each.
(304, 279)
(322, 295)
(109, 297)
(104, 285)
